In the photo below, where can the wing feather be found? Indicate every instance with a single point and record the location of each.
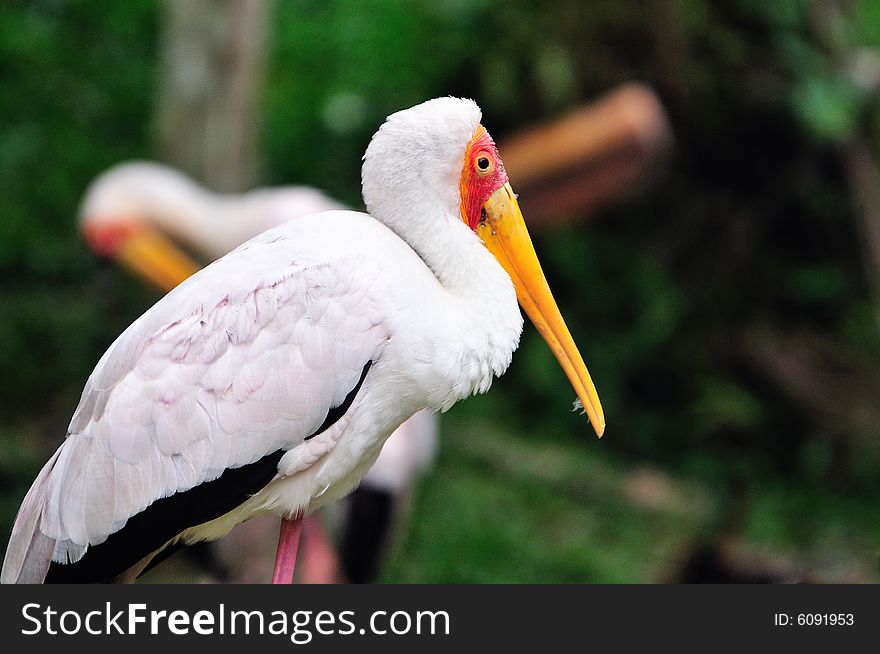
(30, 551)
(239, 361)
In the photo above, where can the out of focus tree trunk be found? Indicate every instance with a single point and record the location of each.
(859, 159)
(208, 122)
(213, 54)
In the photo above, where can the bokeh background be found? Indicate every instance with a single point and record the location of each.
(728, 309)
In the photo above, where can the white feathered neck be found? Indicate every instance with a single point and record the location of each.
(153, 193)
(209, 223)
(411, 174)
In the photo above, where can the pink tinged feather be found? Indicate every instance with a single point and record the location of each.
(134, 398)
(30, 550)
(97, 499)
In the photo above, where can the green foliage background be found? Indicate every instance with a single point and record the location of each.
(750, 234)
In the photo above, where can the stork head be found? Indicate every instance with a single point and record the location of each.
(121, 219)
(438, 150)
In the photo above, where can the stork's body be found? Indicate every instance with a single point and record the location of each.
(166, 210)
(268, 381)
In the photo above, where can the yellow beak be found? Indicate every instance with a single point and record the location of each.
(151, 256)
(505, 235)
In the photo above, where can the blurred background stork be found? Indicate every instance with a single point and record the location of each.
(733, 303)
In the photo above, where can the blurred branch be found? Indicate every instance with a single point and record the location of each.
(589, 157)
(863, 177)
(836, 387)
(212, 61)
(733, 561)
(644, 487)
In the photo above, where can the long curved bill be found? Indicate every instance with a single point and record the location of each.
(151, 256)
(505, 235)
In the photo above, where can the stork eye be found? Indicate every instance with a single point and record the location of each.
(484, 165)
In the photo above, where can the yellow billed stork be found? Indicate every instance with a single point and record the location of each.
(146, 216)
(268, 381)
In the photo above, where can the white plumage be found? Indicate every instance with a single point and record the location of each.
(213, 224)
(248, 356)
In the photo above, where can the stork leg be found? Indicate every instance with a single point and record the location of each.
(285, 557)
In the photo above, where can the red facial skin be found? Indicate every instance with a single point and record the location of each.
(108, 238)
(477, 185)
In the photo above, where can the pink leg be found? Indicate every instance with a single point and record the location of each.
(285, 557)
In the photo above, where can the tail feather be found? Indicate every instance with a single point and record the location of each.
(29, 552)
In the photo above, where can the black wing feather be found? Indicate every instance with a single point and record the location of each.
(168, 517)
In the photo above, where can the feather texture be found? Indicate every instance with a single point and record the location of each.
(209, 381)
(245, 359)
